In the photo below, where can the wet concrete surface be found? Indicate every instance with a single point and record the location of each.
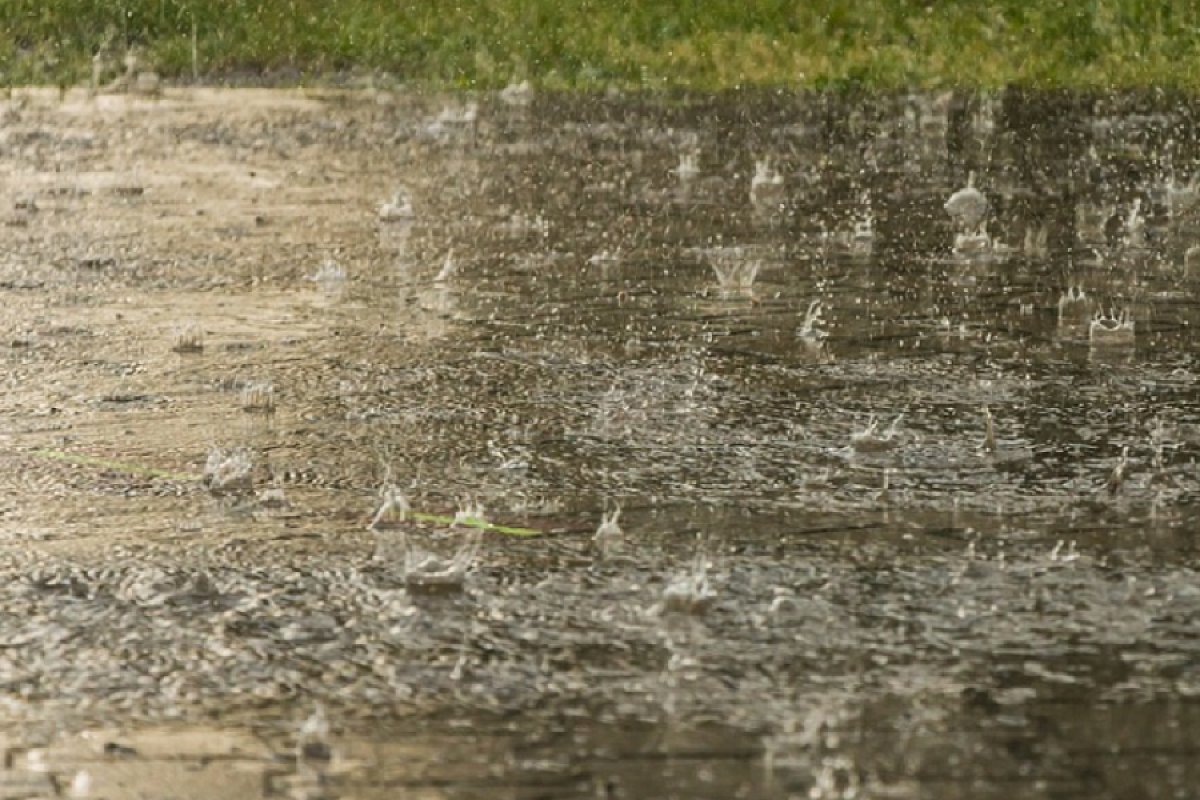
(905, 503)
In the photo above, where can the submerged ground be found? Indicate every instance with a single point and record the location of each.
(925, 525)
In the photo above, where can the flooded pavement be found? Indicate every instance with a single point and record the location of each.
(799, 478)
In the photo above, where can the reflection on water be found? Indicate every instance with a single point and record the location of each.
(917, 370)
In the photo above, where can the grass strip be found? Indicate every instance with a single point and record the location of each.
(475, 523)
(697, 44)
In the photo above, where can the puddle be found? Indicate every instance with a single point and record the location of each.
(904, 496)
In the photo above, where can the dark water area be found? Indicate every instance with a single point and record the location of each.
(842, 488)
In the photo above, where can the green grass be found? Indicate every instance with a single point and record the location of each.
(703, 44)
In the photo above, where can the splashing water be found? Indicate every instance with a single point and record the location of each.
(689, 592)
(968, 206)
(229, 472)
(1111, 329)
(609, 538)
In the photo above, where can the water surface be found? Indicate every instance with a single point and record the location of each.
(787, 388)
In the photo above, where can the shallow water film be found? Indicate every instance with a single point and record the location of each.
(755, 445)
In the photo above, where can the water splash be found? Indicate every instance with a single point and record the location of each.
(989, 435)
(187, 338)
(1111, 329)
(1074, 312)
(425, 571)
(1035, 242)
(329, 272)
(517, 95)
(1191, 260)
(1134, 227)
(735, 271)
(809, 330)
(454, 123)
(767, 190)
(688, 169)
(1117, 477)
(258, 397)
(974, 242)
(393, 510)
(1181, 199)
(312, 740)
(449, 268)
(689, 592)
(968, 207)
(229, 472)
(397, 210)
(871, 439)
(609, 538)
(470, 512)
(81, 785)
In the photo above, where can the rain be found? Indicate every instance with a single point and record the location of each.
(369, 443)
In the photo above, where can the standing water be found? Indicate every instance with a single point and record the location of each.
(760, 445)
